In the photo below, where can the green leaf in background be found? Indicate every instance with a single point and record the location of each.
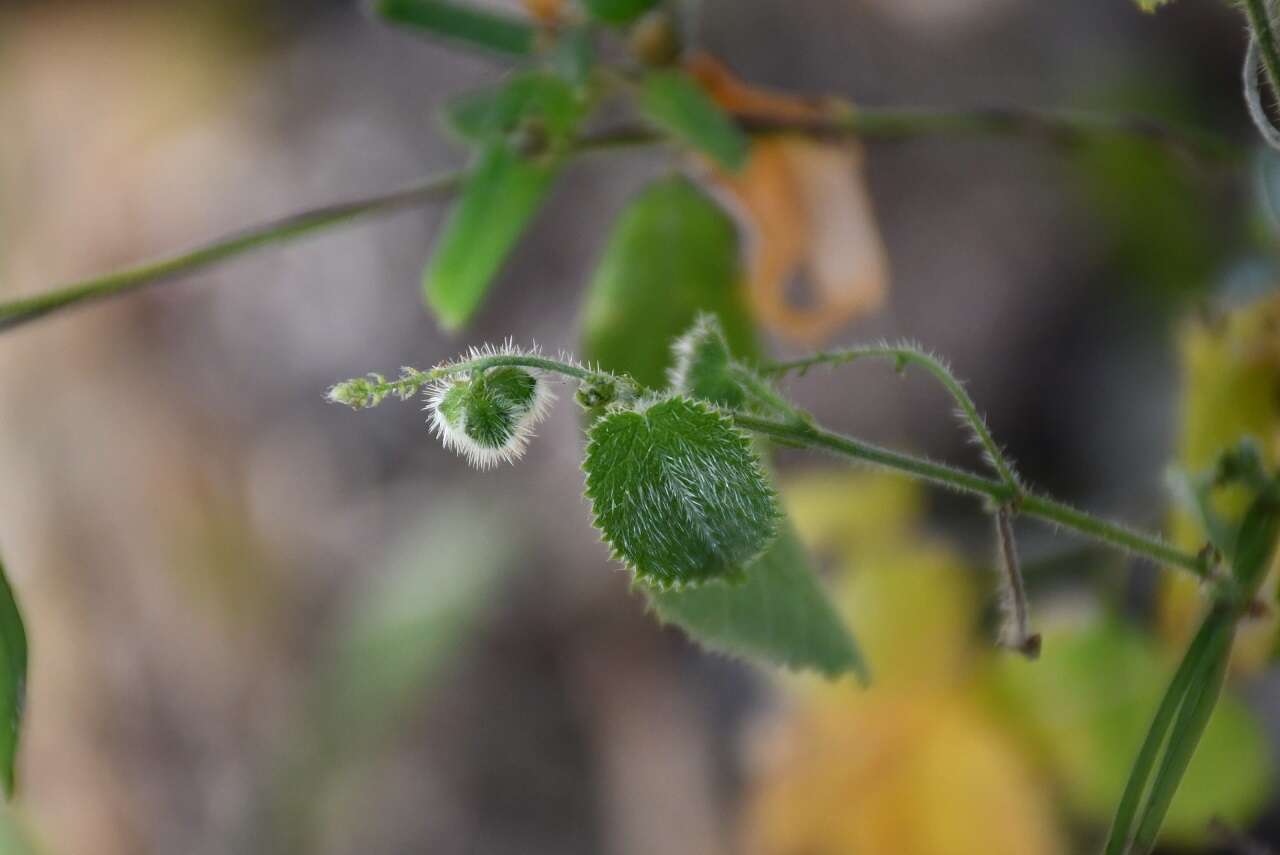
(13, 681)
(1088, 701)
(409, 621)
(618, 11)
(1189, 703)
(677, 105)
(779, 613)
(1151, 5)
(461, 22)
(678, 492)
(672, 254)
(496, 111)
(502, 194)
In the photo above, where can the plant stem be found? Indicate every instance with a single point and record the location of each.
(907, 354)
(289, 228)
(1260, 30)
(1113, 534)
(889, 124)
(1061, 127)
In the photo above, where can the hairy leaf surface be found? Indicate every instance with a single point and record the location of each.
(678, 493)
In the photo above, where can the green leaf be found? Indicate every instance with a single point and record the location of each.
(1087, 703)
(496, 111)
(1256, 542)
(13, 681)
(677, 105)
(1131, 810)
(461, 23)
(1151, 5)
(618, 11)
(673, 254)
(703, 366)
(678, 492)
(779, 613)
(1193, 716)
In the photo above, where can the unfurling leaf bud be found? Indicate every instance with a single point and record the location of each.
(488, 417)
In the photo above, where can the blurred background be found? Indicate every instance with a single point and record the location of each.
(260, 623)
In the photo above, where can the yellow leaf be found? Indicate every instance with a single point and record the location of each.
(912, 773)
(1230, 371)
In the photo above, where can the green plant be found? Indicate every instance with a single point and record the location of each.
(681, 413)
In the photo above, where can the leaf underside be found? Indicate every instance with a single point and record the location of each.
(779, 613)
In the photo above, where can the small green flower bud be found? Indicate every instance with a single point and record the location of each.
(488, 417)
(359, 393)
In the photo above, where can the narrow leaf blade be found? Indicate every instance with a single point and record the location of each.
(675, 103)
(1122, 827)
(1193, 716)
(501, 196)
(779, 613)
(13, 681)
(461, 23)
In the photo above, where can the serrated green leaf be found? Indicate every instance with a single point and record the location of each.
(618, 11)
(461, 22)
(673, 254)
(674, 102)
(496, 111)
(678, 492)
(779, 613)
(13, 681)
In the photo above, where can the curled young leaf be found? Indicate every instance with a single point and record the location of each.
(488, 418)
(703, 366)
(678, 493)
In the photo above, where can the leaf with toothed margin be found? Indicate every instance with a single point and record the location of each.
(779, 613)
(678, 492)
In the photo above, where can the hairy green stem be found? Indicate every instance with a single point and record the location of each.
(1260, 29)
(887, 124)
(903, 355)
(1044, 508)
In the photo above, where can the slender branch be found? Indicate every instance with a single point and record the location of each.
(908, 354)
(280, 231)
(885, 124)
(363, 392)
(1061, 127)
(1113, 534)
